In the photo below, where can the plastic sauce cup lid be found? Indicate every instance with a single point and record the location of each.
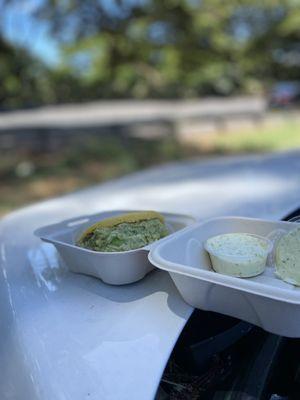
(218, 253)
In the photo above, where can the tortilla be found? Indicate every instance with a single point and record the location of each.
(287, 257)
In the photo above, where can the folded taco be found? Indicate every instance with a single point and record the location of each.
(124, 232)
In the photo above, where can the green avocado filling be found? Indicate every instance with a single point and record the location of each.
(125, 236)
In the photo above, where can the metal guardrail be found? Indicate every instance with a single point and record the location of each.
(53, 126)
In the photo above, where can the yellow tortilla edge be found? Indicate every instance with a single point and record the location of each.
(123, 218)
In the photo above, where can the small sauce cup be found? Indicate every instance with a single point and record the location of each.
(235, 261)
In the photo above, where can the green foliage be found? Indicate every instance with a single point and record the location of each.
(27, 82)
(154, 48)
(17, 80)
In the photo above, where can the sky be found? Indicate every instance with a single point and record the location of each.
(19, 27)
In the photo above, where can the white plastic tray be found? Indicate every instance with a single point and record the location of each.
(115, 268)
(264, 300)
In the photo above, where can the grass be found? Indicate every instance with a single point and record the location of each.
(27, 177)
(281, 136)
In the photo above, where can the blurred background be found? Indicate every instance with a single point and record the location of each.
(95, 89)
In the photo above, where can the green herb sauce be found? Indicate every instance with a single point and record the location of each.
(125, 236)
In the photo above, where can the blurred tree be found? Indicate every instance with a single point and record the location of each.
(26, 82)
(141, 49)
(19, 77)
(177, 47)
(154, 48)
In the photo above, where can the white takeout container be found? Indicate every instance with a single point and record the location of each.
(115, 268)
(263, 300)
